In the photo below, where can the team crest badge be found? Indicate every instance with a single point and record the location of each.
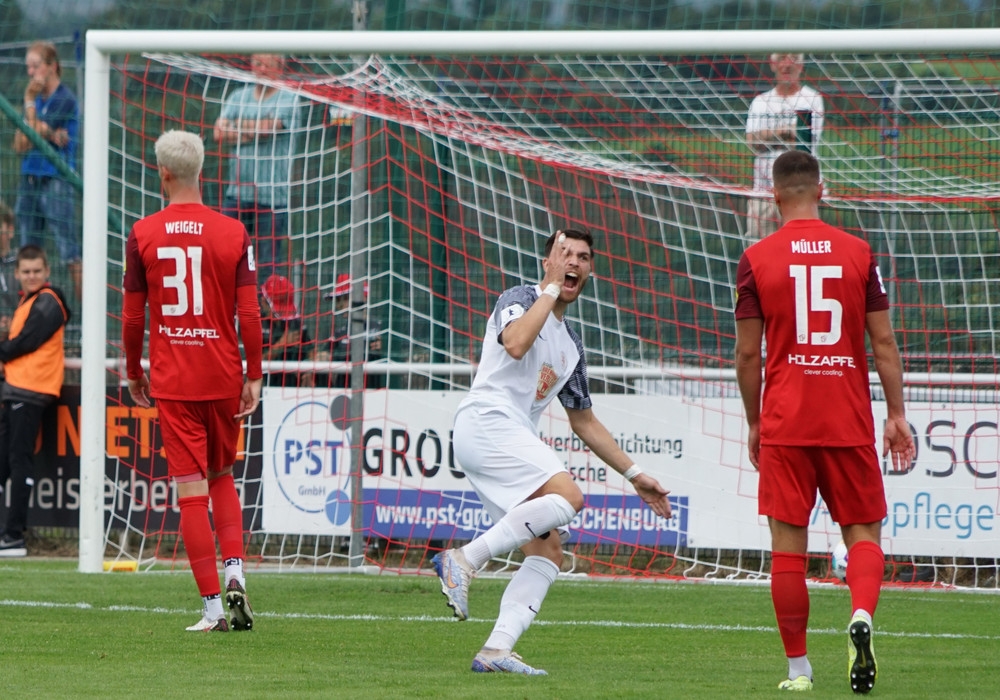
(546, 380)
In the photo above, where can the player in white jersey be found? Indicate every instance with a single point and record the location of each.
(790, 115)
(530, 356)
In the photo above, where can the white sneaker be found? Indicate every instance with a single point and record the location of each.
(797, 684)
(455, 573)
(497, 661)
(11, 547)
(207, 625)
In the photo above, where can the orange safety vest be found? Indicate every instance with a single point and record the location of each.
(40, 371)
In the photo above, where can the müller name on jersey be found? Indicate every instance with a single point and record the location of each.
(193, 227)
(805, 246)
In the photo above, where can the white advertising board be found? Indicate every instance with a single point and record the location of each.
(945, 504)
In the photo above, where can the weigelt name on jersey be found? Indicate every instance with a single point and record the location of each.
(811, 247)
(192, 227)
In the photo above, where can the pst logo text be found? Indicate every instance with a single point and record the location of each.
(310, 461)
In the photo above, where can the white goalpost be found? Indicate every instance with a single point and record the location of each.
(429, 168)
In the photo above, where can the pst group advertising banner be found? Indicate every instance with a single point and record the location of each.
(944, 504)
(412, 487)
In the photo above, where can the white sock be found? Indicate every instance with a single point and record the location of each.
(521, 601)
(213, 607)
(522, 524)
(799, 666)
(234, 570)
(863, 614)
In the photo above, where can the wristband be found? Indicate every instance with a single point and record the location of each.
(553, 290)
(631, 473)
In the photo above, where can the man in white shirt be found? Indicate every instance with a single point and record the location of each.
(790, 115)
(530, 356)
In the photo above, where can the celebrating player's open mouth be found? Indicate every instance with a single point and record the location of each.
(572, 282)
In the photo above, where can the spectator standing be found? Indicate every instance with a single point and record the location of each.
(259, 121)
(45, 197)
(789, 115)
(813, 292)
(338, 347)
(194, 267)
(285, 338)
(32, 359)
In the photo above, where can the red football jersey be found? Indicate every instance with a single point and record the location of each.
(189, 260)
(812, 284)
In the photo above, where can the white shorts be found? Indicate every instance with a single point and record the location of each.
(504, 460)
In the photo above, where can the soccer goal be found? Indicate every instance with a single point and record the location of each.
(427, 172)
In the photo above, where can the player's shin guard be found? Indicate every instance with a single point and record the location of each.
(865, 570)
(228, 516)
(791, 600)
(196, 531)
(521, 601)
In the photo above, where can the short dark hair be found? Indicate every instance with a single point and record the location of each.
(580, 234)
(32, 252)
(795, 169)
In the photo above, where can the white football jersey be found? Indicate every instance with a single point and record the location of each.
(521, 389)
(769, 110)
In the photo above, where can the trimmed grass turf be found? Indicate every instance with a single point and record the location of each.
(65, 634)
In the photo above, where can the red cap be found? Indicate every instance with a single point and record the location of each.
(280, 297)
(343, 286)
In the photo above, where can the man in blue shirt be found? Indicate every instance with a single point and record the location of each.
(260, 122)
(45, 197)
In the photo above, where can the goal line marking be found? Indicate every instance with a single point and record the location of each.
(7, 603)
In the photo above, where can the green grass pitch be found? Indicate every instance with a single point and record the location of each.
(69, 635)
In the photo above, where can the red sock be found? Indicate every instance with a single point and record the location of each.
(228, 516)
(791, 600)
(865, 571)
(196, 531)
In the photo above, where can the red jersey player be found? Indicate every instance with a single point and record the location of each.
(815, 291)
(195, 268)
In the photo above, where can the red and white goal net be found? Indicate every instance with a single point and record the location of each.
(433, 181)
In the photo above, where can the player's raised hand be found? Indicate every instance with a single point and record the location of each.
(898, 440)
(555, 267)
(653, 494)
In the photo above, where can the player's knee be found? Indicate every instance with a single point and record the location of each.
(548, 546)
(225, 471)
(564, 505)
(575, 500)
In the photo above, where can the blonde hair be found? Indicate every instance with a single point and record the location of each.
(182, 153)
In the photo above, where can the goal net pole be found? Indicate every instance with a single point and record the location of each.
(93, 321)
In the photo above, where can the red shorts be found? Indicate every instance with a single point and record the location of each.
(848, 478)
(199, 436)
